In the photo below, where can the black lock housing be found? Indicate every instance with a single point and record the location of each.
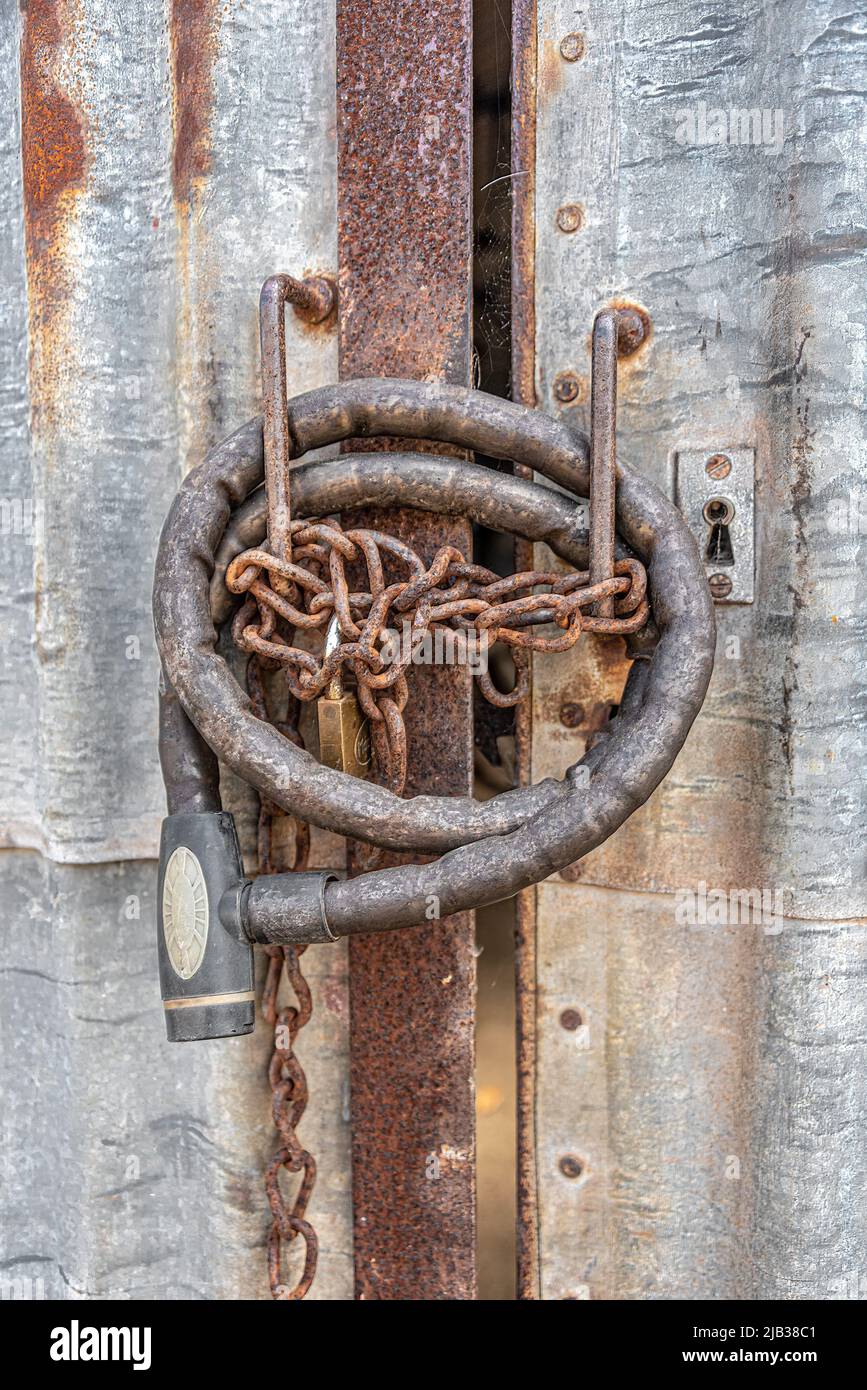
(206, 970)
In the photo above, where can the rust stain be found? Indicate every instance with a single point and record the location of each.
(404, 102)
(552, 69)
(54, 168)
(193, 37)
(193, 31)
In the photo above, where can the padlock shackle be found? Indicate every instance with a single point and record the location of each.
(191, 772)
(331, 643)
(516, 839)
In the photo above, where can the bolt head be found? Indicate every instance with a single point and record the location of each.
(571, 1020)
(718, 466)
(570, 217)
(566, 387)
(630, 331)
(720, 585)
(571, 1166)
(572, 47)
(572, 715)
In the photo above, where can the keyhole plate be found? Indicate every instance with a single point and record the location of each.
(704, 478)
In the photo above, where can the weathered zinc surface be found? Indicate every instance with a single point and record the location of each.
(159, 161)
(698, 1109)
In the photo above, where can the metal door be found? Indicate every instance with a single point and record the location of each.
(689, 1023)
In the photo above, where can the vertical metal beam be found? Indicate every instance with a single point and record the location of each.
(523, 157)
(404, 104)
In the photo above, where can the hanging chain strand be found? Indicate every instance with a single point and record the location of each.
(289, 1094)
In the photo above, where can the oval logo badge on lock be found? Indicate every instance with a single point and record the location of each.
(185, 912)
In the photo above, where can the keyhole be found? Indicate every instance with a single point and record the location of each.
(719, 515)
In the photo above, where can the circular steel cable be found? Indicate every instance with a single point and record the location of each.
(490, 849)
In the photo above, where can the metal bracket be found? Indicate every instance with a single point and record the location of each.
(719, 485)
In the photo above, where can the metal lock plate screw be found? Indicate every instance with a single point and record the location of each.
(718, 466)
(720, 585)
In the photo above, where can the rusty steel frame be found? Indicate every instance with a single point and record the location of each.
(523, 258)
(404, 112)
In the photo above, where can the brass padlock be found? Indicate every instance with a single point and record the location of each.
(344, 734)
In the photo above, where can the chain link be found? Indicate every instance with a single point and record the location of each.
(289, 1094)
(448, 594)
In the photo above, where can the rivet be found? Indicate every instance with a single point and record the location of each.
(571, 1020)
(566, 387)
(572, 715)
(571, 1166)
(570, 217)
(631, 332)
(572, 47)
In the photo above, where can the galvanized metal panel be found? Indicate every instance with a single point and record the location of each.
(19, 516)
(709, 1096)
(749, 260)
(166, 160)
(132, 1168)
(100, 290)
(149, 225)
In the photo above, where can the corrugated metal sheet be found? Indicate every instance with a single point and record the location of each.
(713, 1102)
(173, 156)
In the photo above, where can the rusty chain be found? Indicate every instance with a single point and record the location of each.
(448, 594)
(289, 1094)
